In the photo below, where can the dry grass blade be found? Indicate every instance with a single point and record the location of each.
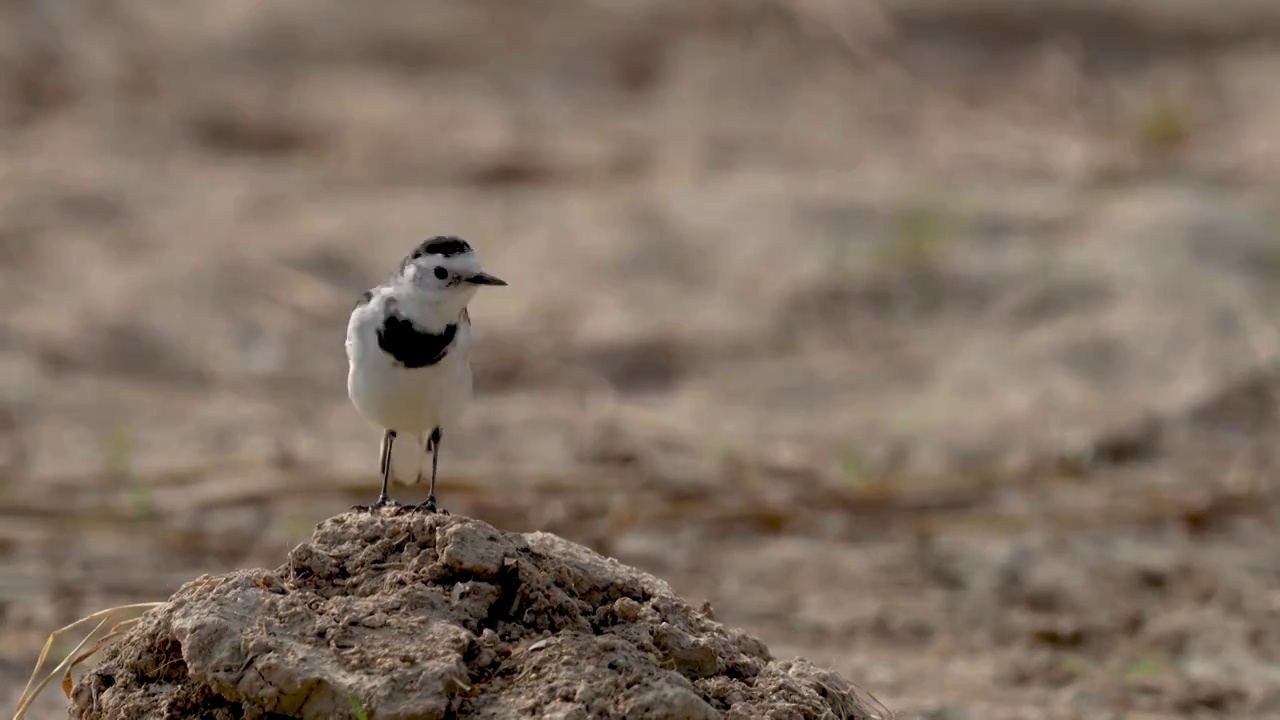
(30, 693)
(116, 631)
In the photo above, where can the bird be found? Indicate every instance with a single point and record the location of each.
(408, 357)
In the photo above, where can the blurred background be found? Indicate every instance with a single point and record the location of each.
(933, 340)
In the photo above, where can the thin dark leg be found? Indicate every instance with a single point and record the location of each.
(384, 464)
(389, 438)
(384, 455)
(430, 504)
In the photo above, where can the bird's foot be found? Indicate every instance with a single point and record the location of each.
(429, 506)
(381, 502)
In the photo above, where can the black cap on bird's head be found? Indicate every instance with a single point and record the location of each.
(446, 245)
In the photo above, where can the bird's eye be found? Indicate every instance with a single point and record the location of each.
(441, 272)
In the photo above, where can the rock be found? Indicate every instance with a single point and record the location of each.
(402, 615)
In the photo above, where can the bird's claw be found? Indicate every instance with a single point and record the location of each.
(429, 506)
(381, 502)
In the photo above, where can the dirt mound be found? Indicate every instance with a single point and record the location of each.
(414, 616)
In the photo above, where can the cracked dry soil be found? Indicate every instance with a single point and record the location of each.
(404, 615)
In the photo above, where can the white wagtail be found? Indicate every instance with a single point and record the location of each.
(408, 346)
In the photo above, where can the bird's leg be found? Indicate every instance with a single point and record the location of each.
(430, 504)
(384, 464)
(384, 454)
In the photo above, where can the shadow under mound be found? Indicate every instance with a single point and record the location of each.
(405, 615)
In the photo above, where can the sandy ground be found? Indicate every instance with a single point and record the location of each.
(936, 343)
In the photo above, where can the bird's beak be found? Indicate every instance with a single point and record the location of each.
(484, 278)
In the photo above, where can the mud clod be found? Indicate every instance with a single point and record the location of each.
(398, 616)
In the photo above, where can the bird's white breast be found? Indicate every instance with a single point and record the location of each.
(407, 400)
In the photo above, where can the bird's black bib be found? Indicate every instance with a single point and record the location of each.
(411, 347)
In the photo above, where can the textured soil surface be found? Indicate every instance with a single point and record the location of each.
(935, 341)
(417, 616)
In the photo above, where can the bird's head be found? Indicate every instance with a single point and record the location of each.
(446, 271)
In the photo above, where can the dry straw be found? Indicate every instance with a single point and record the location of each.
(77, 654)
